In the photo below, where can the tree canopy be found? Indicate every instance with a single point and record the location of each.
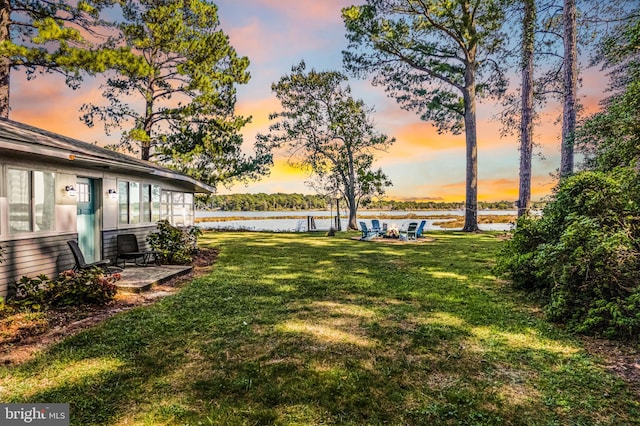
(611, 137)
(183, 111)
(435, 58)
(329, 132)
(62, 36)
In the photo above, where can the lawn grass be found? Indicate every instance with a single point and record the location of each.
(307, 329)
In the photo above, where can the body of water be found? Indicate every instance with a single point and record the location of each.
(271, 221)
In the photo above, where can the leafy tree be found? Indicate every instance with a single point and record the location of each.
(329, 132)
(435, 58)
(212, 153)
(187, 116)
(58, 36)
(611, 137)
(583, 254)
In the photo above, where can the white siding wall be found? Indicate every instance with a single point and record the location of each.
(110, 206)
(46, 252)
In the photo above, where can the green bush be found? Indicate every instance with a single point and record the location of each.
(582, 255)
(176, 245)
(68, 289)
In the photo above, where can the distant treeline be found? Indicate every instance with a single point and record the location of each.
(264, 202)
(280, 201)
(436, 205)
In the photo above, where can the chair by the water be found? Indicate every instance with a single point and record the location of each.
(375, 226)
(411, 232)
(367, 233)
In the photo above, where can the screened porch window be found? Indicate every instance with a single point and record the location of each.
(177, 208)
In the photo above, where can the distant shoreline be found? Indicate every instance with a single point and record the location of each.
(443, 220)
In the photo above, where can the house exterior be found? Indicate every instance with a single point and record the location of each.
(54, 189)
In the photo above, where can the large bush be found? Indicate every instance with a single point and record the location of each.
(67, 289)
(176, 245)
(582, 255)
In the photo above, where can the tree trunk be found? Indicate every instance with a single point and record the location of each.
(145, 145)
(570, 65)
(351, 194)
(471, 203)
(353, 210)
(526, 119)
(5, 65)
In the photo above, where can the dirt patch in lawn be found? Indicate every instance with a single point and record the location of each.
(394, 240)
(22, 335)
(620, 358)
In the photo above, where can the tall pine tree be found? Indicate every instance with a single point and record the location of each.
(61, 36)
(185, 107)
(435, 58)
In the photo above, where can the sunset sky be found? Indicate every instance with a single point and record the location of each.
(277, 34)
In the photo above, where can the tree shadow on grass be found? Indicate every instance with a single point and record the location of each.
(321, 330)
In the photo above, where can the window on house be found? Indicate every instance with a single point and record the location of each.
(31, 199)
(155, 203)
(146, 202)
(45, 201)
(138, 203)
(177, 208)
(134, 202)
(83, 193)
(123, 202)
(165, 205)
(188, 209)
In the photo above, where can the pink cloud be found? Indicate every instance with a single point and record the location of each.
(46, 102)
(315, 11)
(249, 40)
(295, 34)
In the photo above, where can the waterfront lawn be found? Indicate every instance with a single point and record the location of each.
(300, 329)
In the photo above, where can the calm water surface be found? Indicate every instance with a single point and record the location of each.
(269, 221)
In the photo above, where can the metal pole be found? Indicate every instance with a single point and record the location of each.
(330, 214)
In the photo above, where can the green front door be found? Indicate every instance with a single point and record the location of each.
(87, 226)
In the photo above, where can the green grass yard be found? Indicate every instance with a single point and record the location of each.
(297, 329)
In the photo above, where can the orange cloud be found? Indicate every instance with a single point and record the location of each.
(46, 102)
(488, 190)
(283, 178)
(259, 109)
(424, 135)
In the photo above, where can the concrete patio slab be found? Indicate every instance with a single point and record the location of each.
(136, 279)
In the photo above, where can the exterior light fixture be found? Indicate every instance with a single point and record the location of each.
(71, 191)
(113, 194)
